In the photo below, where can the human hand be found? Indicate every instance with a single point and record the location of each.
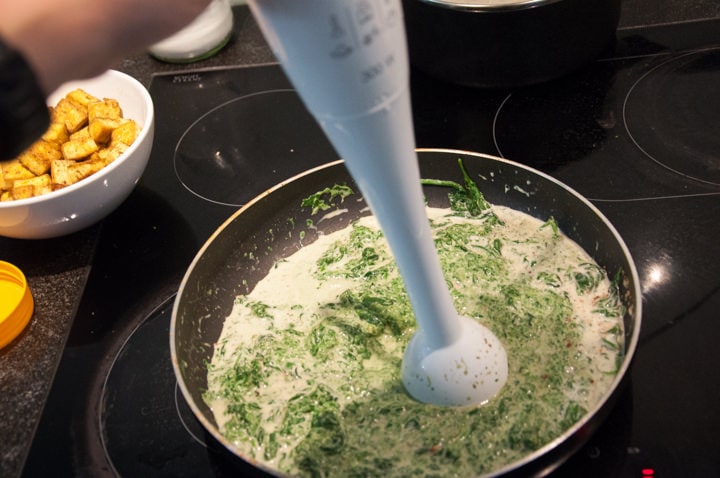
(70, 39)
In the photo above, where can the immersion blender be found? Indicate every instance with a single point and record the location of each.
(348, 61)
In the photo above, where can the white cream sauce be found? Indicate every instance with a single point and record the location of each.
(295, 297)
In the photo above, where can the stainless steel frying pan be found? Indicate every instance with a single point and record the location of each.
(246, 246)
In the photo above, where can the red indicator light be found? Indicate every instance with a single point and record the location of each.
(648, 473)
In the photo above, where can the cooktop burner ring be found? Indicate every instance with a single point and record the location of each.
(247, 145)
(554, 125)
(670, 114)
(140, 397)
(187, 425)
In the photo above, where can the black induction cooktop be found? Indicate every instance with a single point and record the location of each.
(637, 132)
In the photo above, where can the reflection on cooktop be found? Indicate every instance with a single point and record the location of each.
(247, 145)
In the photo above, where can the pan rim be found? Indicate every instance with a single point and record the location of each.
(631, 342)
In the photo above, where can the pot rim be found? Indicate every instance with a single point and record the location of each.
(488, 5)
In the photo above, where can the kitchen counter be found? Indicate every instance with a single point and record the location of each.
(57, 269)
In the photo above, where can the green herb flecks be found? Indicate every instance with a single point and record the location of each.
(587, 277)
(259, 309)
(325, 199)
(610, 305)
(373, 261)
(465, 198)
(553, 225)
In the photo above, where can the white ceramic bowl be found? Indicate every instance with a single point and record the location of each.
(84, 203)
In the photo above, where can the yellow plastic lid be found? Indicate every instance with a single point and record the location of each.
(16, 303)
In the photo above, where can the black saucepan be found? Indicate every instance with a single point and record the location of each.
(246, 246)
(507, 43)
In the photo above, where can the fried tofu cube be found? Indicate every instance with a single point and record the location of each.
(66, 172)
(79, 149)
(21, 192)
(41, 180)
(6, 196)
(46, 149)
(112, 152)
(11, 171)
(60, 172)
(107, 108)
(57, 133)
(38, 185)
(72, 114)
(80, 135)
(81, 97)
(38, 157)
(42, 185)
(101, 129)
(126, 133)
(27, 159)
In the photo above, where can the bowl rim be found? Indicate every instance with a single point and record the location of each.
(147, 123)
